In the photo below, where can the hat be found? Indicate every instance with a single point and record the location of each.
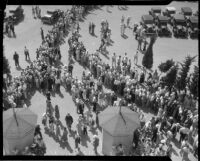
(163, 141)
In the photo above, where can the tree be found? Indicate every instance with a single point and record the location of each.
(147, 60)
(193, 85)
(182, 77)
(170, 78)
(164, 67)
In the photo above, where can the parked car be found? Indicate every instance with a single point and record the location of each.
(15, 15)
(51, 17)
(179, 26)
(169, 12)
(162, 28)
(186, 11)
(147, 22)
(47, 19)
(193, 29)
(155, 11)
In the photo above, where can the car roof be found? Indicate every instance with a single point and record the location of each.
(47, 15)
(186, 10)
(179, 17)
(147, 17)
(171, 8)
(194, 19)
(162, 18)
(156, 9)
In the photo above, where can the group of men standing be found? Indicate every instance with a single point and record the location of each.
(36, 11)
(10, 29)
(16, 57)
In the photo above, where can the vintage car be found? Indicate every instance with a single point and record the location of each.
(162, 28)
(169, 12)
(15, 15)
(186, 11)
(155, 11)
(47, 19)
(147, 22)
(51, 17)
(193, 29)
(179, 26)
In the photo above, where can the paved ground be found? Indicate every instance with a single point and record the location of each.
(28, 33)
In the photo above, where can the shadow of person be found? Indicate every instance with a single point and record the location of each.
(94, 35)
(72, 133)
(84, 140)
(28, 61)
(80, 153)
(174, 151)
(60, 123)
(19, 67)
(111, 41)
(67, 145)
(124, 36)
(60, 94)
(14, 35)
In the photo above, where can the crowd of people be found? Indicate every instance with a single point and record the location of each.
(144, 90)
(126, 85)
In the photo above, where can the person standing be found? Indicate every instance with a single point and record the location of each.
(145, 45)
(57, 112)
(139, 43)
(70, 69)
(16, 59)
(114, 60)
(95, 143)
(42, 33)
(36, 11)
(128, 21)
(93, 27)
(136, 137)
(77, 141)
(122, 29)
(39, 12)
(33, 11)
(12, 28)
(136, 58)
(69, 121)
(26, 53)
(90, 27)
(155, 134)
(38, 131)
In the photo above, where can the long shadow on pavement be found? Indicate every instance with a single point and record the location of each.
(60, 94)
(19, 68)
(176, 143)
(56, 139)
(174, 151)
(72, 134)
(125, 36)
(66, 145)
(84, 140)
(60, 123)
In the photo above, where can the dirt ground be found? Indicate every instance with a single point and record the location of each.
(28, 33)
